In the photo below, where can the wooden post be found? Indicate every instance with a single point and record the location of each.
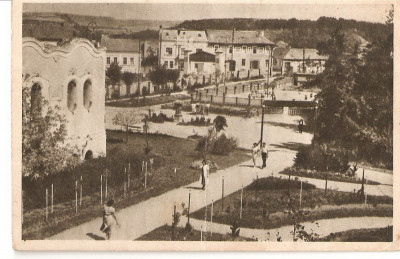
(301, 190)
(52, 198)
(365, 202)
(175, 171)
(222, 199)
(326, 182)
(142, 166)
(362, 184)
(257, 187)
(288, 188)
(129, 175)
(211, 217)
(189, 210)
(76, 197)
(80, 194)
(106, 194)
(101, 190)
(47, 204)
(201, 233)
(145, 178)
(241, 204)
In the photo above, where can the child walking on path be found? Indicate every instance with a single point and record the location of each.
(109, 219)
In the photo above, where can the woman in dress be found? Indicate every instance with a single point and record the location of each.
(205, 173)
(255, 152)
(109, 219)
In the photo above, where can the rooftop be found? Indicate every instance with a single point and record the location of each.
(183, 35)
(119, 45)
(297, 54)
(240, 37)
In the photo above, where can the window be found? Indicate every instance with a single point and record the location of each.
(36, 106)
(115, 60)
(71, 96)
(243, 62)
(169, 51)
(166, 64)
(244, 49)
(198, 50)
(254, 64)
(238, 49)
(199, 35)
(108, 60)
(132, 61)
(216, 47)
(87, 95)
(125, 60)
(167, 34)
(254, 50)
(260, 50)
(248, 49)
(171, 64)
(230, 49)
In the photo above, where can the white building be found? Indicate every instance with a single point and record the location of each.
(71, 76)
(126, 52)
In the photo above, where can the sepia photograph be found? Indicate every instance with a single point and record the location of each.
(235, 125)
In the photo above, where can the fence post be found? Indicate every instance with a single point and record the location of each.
(211, 99)
(242, 88)
(80, 194)
(101, 189)
(47, 204)
(237, 100)
(241, 204)
(204, 79)
(189, 210)
(222, 199)
(223, 98)
(211, 217)
(129, 175)
(106, 194)
(200, 94)
(52, 198)
(249, 100)
(76, 197)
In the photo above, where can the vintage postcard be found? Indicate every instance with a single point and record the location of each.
(205, 125)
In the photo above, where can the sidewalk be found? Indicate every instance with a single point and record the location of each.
(324, 227)
(142, 218)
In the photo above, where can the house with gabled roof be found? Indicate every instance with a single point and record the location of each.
(126, 52)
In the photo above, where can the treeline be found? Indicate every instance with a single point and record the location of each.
(295, 32)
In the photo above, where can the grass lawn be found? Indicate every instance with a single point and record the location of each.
(167, 152)
(332, 176)
(164, 234)
(134, 102)
(265, 205)
(361, 235)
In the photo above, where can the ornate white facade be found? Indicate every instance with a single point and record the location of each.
(72, 76)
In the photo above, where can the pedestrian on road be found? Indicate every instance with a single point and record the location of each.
(264, 155)
(301, 123)
(109, 219)
(205, 174)
(255, 152)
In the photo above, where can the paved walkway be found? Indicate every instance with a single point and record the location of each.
(323, 228)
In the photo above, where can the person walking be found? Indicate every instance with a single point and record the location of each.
(255, 152)
(264, 155)
(205, 174)
(109, 219)
(301, 123)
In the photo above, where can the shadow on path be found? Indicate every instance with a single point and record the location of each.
(291, 146)
(95, 237)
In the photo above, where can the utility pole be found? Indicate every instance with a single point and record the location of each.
(226, 45)
(262, 125)
(304, 64)
(233, 37)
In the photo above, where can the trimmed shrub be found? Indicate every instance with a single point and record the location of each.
(224, 145)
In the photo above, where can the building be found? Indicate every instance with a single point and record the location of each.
(306, 61)
(249, 53)
(243, 53)
(174, 43)
(72, 76)
(126, 52)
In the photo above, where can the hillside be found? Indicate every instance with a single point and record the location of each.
(296, 32)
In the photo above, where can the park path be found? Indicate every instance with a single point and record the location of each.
(145, 216)
(323, 228)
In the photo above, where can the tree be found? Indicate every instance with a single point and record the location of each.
(220, 123)
(126, 119)
(113, 74)
(161, 76)
(128, 78)
(44, 151)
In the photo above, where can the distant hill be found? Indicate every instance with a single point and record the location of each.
(34, 23)
(296, 32)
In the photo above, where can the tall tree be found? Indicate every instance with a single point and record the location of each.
(113, 74)
(128, 78)
(44, 150)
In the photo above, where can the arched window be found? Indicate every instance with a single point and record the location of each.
(71, 96)
(36, 101)
(87, 94)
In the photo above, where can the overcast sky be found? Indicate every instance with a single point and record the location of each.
(174, 12)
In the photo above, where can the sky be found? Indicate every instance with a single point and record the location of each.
(195, 11)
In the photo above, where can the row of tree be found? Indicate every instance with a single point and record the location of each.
(355, 106)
